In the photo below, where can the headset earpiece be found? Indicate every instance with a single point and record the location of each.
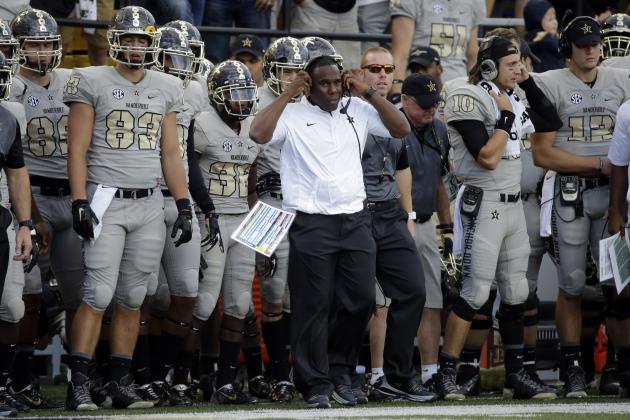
(488, 69)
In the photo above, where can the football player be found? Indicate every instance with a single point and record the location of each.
(125, 117)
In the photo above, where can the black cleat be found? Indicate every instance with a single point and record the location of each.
(533, 374)
(575, 384)
(343, 395)
(33, 398)
(318, 401)
(282, 392)
(521, 386)
(78, 396)
(259, 387)
(227, 394)
(149, 392)
(7, 399)
(179, 396)
(469, 379)
(446, 385)
(409, 390)
(608, 382)
(124, 395)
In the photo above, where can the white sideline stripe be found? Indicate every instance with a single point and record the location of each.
(383, 412)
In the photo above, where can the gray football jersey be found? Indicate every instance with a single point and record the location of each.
(531, 173)
(17, 110)
(269, 157)
(125, 148)
(470, 102)
(444, 25)
(225, 161)
(617, 62)
(45, 144)
(587, 114)
(203, 83)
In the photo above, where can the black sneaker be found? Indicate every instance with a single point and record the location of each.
(469, 379)
(521, 386)
(7, 399)
(259, 387)
(608, 382)
(6, 411)
(409, 390)
(206, 387)
(533, 374)
(575, 383)
(33, 398)
(343, 395)
(282, 392)
(78, 396)
(318, 401)
(179, 396)
(124, 395)
(148, 392)
(446, 385)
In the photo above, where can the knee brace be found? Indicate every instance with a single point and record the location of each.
(462, 309)
(13, 310)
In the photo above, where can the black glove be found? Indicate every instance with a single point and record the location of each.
(83, 219)
(214, 233)
(183, 222)
(269, 266)
(31, 261)
(445, 238)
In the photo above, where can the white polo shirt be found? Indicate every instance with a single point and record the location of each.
(619, 150)
(320, 161)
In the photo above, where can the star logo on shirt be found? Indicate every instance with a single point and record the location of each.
(247, 42)
(431, 86)
(586, 29)
(495, 214)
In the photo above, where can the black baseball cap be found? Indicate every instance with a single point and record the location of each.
(246, 43)
(423, 56)
(583, 31)
(527, 52)
(423, 88)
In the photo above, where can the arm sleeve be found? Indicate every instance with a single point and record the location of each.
(473, 133)
(15, 158)
(619, 151)
(540, 105)
(403, 161)
(195, 179)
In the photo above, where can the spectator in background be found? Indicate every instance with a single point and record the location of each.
(229, 13)
(450, 28)
(542, 34)
(169, 10)
(249, 49)
(97, 44)
(426, 60)
(197, 7)
(373, 17)
(330, 16)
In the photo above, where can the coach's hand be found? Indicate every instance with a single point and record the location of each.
(445, 238)
(183, 222)
(300, 85)
(351, 80)
(83, 219)
(214, 233)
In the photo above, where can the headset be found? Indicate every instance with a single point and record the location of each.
(488, 68)
(564, 43)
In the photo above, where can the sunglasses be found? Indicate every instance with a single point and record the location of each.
(376, 68)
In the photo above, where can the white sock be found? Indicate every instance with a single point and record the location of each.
(376, 373)
(428, 371)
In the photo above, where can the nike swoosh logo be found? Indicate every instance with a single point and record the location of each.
(309, 124)
(151, 97)
(251, 147)
(607, 99)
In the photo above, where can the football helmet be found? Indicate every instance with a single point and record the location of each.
(232, 89)
(175, 56)
(5, 78)
(451, 274)
(616, 36)
(206, 68)
(129, 21)
(285, 54)
(318, 47)
(37, 26)
(194, 40)
(9, 46)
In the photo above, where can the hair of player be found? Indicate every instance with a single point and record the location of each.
(508, 33)
(324, 60)
(374, 50)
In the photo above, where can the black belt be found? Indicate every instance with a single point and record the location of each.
(51, 187)
(375, 206)
(133, 194)
(166, 193)
(588, 183)
(423, 219)
(509, 198)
